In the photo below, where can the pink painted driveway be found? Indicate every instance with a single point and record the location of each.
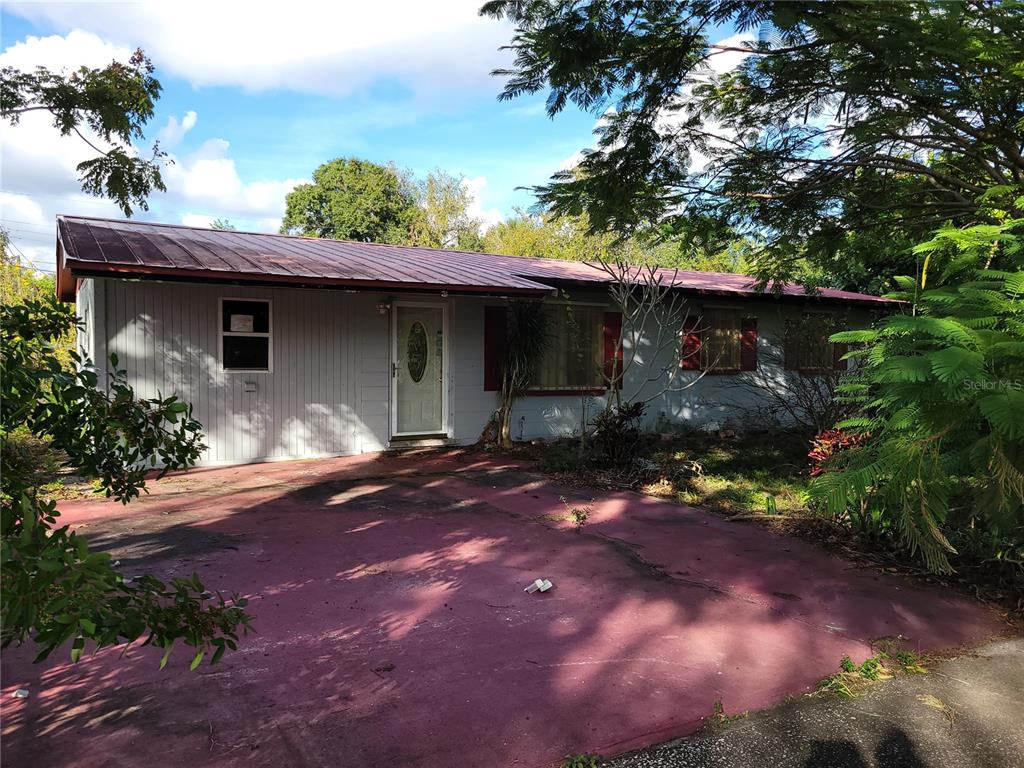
(393, 629)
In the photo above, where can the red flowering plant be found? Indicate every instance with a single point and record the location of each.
(828, 443)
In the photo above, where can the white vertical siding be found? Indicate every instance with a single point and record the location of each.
(471, 406)
(329, 391)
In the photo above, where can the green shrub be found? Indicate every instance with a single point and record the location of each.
(941, 405)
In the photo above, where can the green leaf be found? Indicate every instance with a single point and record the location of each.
(854, 337)
(196, 661)
(904, 369)
(1005, 411)
(937, 327)
(955, 364)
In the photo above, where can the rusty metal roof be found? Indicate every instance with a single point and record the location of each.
(137, 249)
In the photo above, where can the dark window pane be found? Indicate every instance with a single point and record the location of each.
(246, 353)
(250, 316)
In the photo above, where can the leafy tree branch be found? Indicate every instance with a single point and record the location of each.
(114, 102)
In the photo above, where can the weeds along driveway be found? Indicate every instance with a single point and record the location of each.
(393, 628)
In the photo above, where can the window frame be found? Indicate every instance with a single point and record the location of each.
(829, 322)
(705, 328)
(600, 385)
(269, 335)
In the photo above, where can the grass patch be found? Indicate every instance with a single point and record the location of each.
(762, 473)
(853, 679)
(719, 720)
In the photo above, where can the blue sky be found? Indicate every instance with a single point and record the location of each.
(269, 98)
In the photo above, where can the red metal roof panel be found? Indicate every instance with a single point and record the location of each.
(130, 248)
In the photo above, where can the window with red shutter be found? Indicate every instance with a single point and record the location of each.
(748, 344)
(495, 325)
(613, 358)
(721, 345)
(691, 352)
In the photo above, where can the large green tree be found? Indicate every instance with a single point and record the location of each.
(822, 129)
(114, 102)
(352, 199)
(442, 219)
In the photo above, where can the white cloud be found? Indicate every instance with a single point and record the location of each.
(572, 161)
(39, 178)
(62, 52)
(197, 220)
(488, 216)
(172, 133)
(209, 178)
(305, 45)
(20, 209)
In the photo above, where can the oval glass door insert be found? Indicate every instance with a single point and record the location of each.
(416, 351)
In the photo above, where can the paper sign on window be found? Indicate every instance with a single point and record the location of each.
(241, 323)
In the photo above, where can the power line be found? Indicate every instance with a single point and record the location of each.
(70, 197)
(26, 232)
(31, 263)
(27, 223)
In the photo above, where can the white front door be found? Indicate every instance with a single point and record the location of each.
(419, 356)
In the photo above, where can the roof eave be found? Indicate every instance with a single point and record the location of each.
(865, 301)
(176, 274)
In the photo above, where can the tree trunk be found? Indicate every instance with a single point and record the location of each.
(504, 425)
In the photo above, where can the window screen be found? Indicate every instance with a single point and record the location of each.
(721, 347)
(245, 335)
(574, 356)
(815, 348)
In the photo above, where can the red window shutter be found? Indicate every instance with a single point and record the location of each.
(691, 344)
(748, 344)
(495, 327)
(838, 350)
(613, 348)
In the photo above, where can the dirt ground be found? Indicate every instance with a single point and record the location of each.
(392, 626)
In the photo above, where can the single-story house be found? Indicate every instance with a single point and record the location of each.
(300, 347)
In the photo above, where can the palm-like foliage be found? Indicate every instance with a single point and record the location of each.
(941, 392)
(526, 339)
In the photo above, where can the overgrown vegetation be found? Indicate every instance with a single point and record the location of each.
(765, 477)
(728, 474)
(719, 719)
(833, 134)
(939, 462)
(577, 514)
(54, 590)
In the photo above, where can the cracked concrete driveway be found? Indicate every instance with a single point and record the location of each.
(393, 629)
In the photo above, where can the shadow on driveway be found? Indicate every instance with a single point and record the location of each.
(393, 629)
